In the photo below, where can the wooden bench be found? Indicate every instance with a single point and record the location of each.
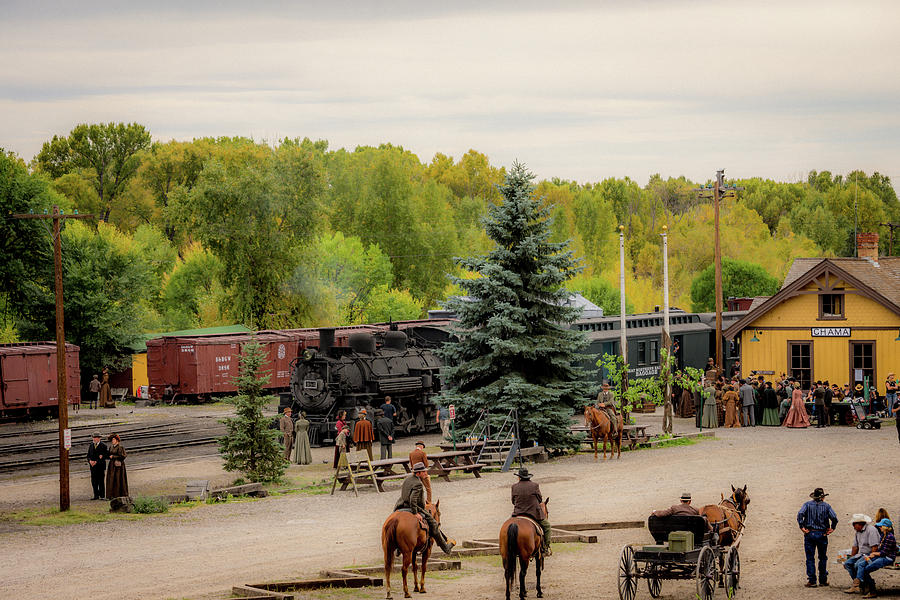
(118, 394)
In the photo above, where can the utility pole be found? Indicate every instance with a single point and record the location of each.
(718, 191)
(623, 341)
(65, 434)
(891, 226)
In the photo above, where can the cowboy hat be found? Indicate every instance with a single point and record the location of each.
(818, 493)
(686, 496)
(861, 518)
(420, 443)
(523, 473)
(419, 467)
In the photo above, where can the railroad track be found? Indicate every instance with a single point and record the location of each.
(41, 448)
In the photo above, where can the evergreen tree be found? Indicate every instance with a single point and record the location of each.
(514, 350)
(250, 446)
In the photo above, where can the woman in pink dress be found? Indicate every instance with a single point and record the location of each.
(796, 416)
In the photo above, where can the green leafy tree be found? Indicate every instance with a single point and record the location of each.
(250, 446)
(740, 279)
(515, 350)
(105, 154)
(192, 294)
(392, 305)
(105, 279)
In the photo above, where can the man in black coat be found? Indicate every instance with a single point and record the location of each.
(526, 499)
(385, 427)
(96, 457)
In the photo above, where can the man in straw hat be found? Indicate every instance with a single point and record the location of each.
(684, 508)
(816, 520)
(286, 425)
(526, 499)
(865, 540)
(412, 498)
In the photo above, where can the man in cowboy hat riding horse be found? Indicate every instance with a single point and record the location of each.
(412, 498)
(526, 499)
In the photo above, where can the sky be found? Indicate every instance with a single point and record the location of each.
(580, 90)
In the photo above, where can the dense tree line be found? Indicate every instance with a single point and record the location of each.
(292, 234)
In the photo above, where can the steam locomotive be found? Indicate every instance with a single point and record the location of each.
(373, 366)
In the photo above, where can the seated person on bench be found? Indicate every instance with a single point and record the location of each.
(683, 509)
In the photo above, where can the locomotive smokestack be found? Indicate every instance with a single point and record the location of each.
(326, 339)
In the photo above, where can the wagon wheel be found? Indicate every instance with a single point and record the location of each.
(732, 572)
(653, 582)
(628, 574)
(706, 573)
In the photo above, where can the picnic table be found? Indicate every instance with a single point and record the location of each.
(441, 465)
(631, 434)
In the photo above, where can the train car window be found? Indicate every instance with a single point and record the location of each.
(654, 352)
(642, 353)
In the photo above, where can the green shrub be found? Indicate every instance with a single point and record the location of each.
(148, 505)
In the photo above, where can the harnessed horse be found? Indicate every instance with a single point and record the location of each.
(727, 517)
(520, 538)
(602, 427)
(406, 533)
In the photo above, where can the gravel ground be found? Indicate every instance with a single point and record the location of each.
(203, 552)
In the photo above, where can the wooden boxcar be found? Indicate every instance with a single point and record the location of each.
(28, 378)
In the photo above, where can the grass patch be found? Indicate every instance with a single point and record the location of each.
(53, 517)
(149, 505)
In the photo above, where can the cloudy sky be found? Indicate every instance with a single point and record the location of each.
(579, 91)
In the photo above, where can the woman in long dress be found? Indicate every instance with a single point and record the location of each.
(731, 400)
(770, 406)
(796, 416)
(686, 405)
(302, 453)
(710, 409)
(116, 477)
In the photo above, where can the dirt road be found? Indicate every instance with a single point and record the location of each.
(203, 552)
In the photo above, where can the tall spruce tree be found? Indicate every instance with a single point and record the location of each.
(250, 446)
(514, 349)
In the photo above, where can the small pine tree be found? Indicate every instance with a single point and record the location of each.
(514, 349)
(250, 446)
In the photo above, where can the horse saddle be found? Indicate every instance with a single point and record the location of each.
(423, 525)
(537, 526)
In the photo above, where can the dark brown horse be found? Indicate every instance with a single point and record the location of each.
(402, 533)
(601, 427)
(520, 539)
(727, 517)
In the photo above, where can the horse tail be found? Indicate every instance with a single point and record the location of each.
(512, 550)
(389, 539)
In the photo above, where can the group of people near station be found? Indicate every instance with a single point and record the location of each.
(874, 546)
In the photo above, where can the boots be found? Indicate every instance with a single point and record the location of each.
(853, 589)
(445, 544)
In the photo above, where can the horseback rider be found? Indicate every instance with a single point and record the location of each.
(606, 401)
(526, 499)
(412, 499)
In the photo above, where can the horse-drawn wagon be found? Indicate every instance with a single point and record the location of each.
(703, 548)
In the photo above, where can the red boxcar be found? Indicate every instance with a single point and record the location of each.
(206, 365)
(28, 378)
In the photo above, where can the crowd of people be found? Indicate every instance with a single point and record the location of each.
(737, 401)
(874, 546)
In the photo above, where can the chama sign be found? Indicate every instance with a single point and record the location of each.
(831, 332)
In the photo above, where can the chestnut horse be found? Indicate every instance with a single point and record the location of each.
(403, 534)
(601, 427)
(520, 539)
(727, 517)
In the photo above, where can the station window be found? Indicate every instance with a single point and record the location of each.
(642, 353)
(800, 362)
(831, 306)
(654, 352)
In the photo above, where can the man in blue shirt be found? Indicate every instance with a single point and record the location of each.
(817, 520)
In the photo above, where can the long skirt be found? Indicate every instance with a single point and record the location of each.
(731, 415)
(770, 417)
(116, 480)
(710, 415)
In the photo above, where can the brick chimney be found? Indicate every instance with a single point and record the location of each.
(867, 246)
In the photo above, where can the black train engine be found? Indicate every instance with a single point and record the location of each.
(332, 378)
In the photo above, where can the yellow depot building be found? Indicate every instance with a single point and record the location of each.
(834, 319)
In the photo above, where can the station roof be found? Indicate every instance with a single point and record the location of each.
(877, 280)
